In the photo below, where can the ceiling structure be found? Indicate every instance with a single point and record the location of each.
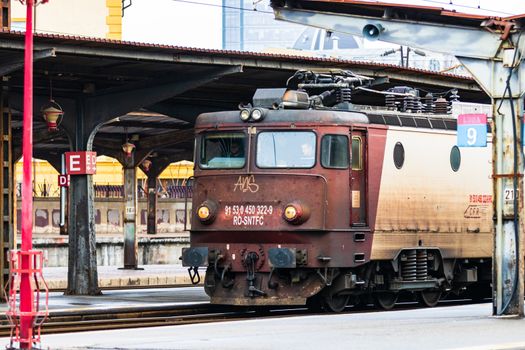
(68, 67)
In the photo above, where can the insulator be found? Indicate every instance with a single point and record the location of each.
(428, 103)
(344, 95)
(422, 265)
(411, 104)
(441, 106)
(390, 102)
(409, 267)
(454, 97)
(407, 103)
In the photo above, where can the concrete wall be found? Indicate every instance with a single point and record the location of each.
(152, 251)
(109, 213)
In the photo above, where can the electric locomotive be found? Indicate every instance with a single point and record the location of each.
(304, 197)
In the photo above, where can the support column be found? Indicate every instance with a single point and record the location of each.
(508, 202)
(130, 215)
(157, 167)
(7, 241)
(82, 272)
(152, 203)
(504, 85)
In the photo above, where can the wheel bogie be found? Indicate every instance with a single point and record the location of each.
(337, 290)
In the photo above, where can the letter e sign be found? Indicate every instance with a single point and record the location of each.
(81, 163)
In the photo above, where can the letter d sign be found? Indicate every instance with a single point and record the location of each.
(63, 180)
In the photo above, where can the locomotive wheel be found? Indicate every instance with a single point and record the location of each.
(385, 300)
(428, 298)
(336, 303)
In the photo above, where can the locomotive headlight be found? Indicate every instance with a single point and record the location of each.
(203, 213)
(257, 114)
(296, 213)
(290, 213)
(206, 211)
(245, 114)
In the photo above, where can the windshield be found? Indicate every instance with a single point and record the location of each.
(223, 150)
(286, 149)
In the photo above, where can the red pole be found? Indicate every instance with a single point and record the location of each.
(26, 290)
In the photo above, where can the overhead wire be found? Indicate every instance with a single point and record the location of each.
(224, 6)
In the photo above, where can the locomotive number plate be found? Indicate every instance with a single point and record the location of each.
(248, 214)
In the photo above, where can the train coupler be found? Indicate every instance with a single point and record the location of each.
(272, 285)
(250, 261)
(193, 271)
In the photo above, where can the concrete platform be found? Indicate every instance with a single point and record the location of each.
(120, 299)
(453, 327)
(113, 277)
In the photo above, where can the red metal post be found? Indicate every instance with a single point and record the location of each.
(26, 280)
(26, 290)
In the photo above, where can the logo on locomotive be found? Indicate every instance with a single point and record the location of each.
(246, 183)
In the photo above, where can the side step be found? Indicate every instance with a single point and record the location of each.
(414, 285)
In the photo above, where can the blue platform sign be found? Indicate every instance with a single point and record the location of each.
(472, 130)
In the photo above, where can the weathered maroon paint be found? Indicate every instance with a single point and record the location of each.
(326, 192)
(376, 154)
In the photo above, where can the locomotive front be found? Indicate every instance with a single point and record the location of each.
(264, 206)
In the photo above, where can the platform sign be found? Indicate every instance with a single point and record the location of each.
(64, 180)
(472, 130)
(81, 163)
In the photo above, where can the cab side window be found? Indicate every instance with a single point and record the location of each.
(357, 159)
(334, 151)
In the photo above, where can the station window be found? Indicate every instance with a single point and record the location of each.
(334, 151)
(399, 155)
(286, 149)
(98, 219)
(41, 218)
(179, 216)
(55, 218)
(357, 153)
(223, 150)
(113, 217)
(163, 216)
(455, 158)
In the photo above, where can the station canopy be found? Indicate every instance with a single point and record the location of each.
(67, 68)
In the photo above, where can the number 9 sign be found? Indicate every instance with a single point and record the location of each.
(472, 130)
(471, 136)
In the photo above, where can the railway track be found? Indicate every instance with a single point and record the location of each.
(139, 287)
(93, 320)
